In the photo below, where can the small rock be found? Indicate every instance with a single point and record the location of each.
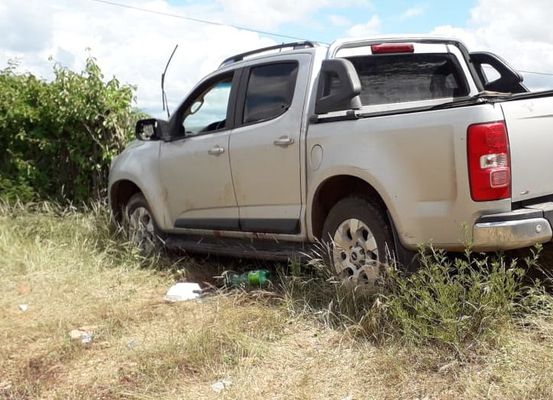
(23, 307)
(85, 336)
(131, 344)
(221, 385)
(349, 397)
(75, 334)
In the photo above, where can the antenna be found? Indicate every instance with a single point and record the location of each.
(163, 94)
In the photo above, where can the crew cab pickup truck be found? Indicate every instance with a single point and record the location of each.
(372, 146)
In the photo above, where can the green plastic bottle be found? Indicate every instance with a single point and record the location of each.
(258, 277)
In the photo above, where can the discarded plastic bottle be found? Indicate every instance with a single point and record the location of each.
(259, 277)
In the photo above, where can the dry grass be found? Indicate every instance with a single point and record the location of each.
(72, 272)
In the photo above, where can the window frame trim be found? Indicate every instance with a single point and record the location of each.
(243, 89)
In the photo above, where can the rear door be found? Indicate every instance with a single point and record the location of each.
(265, 145)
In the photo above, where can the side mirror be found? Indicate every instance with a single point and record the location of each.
(339, 87)
(151, 129)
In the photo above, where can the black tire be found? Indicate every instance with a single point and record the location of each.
(136, 215)
(367, 266)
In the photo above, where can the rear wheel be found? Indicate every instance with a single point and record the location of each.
(140, 226)
(360, 240)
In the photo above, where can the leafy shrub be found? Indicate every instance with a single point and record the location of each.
(456, 303)
(58, 137)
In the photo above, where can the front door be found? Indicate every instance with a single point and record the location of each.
(196, 169)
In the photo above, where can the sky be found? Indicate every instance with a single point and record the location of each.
(134, 45)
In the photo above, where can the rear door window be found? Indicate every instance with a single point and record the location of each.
(270, 91)
(402, 78)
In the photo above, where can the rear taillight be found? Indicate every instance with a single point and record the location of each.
(387, 48)
(489, 162)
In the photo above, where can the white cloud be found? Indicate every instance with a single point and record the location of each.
(24, 29)
(339, 20)
(269, 14)
(518, 32)
(371, 27)
(132, 45)
(411, 13)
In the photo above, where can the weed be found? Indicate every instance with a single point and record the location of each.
(453, 302)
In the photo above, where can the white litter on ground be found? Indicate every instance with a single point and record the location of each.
(183, 291)
(221, 385)
(85, 334)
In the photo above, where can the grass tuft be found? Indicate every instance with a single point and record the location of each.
(456, 303)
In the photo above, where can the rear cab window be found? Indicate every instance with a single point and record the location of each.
(400, 78)
(432, 74)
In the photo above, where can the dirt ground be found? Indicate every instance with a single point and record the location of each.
(57, 273)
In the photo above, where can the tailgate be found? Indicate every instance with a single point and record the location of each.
(530, 128)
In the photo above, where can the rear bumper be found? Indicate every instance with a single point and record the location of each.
(514, 230)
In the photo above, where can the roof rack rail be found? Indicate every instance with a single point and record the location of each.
(294, 46)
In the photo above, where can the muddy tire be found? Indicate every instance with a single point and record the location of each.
(140, 227)
(359, 239)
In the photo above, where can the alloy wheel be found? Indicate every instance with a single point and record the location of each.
(355, 252)
(141, 230)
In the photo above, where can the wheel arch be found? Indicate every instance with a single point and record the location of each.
(335, 188)
(119, 195)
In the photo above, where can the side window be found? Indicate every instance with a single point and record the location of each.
(270, 91)
(490, 73)
(496, 75)
(208, 111)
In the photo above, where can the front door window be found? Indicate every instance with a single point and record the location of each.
(208, 112)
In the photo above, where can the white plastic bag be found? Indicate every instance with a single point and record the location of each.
(183, 291)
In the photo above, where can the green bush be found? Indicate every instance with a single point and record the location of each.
(58, 137)
(453, 303)
(457, 303)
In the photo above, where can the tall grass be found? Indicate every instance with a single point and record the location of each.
(458, 303)
(74, 268)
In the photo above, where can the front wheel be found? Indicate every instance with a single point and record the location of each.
(360, 240)
(140, 226)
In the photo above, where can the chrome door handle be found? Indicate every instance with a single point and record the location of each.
(283, 141)
(217, 150)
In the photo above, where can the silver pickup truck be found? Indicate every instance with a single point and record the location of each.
(373, 146)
